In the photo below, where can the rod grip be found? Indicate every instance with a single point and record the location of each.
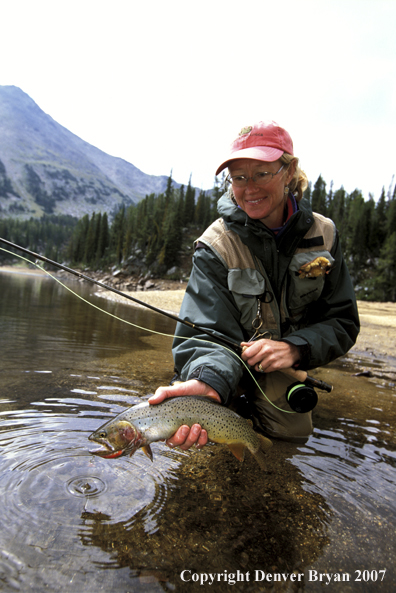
(303, 376)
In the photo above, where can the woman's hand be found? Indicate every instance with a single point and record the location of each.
(270, 355)
(185, 436)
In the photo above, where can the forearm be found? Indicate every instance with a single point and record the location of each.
(209, 304)
(208, 362)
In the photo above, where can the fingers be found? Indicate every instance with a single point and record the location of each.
(160, 394)
(191, 387)
(269, 355)
(255, 353)
(184, 437)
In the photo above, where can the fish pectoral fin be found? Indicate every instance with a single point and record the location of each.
(147, 451)
(265, 443)
(238, 449)
(260, 454)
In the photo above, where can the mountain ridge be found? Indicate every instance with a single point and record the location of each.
(46, 169)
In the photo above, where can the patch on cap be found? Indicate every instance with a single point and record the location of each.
(245, 130)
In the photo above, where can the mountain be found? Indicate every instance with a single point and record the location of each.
(46, 169)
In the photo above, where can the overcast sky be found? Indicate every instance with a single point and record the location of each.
(167, 85)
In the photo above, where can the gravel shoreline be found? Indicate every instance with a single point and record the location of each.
(378, 320)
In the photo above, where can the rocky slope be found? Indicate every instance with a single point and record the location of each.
(45, 169)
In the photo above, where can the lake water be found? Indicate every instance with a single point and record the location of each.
(74, 522)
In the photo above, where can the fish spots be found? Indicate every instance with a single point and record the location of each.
(151, 423)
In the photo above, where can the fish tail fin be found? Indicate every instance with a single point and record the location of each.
(261, 453)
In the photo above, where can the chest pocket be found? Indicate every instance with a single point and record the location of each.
(246, 286)
(306, 290)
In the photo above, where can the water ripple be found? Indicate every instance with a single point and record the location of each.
(10, 571)
(50, 484)
(351, 464)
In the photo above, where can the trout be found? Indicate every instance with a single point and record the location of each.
(143, 424)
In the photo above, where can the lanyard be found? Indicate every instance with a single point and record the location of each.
(257, 324)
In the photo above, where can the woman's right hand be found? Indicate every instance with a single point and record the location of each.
(185, 437)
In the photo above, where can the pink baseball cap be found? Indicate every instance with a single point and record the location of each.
(264, 141)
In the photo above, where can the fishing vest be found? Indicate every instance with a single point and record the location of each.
(250, 286)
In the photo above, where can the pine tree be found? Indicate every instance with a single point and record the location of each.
(339, 208)
(169, 253)
(381, 212)
(90, 243)
(169, 190)
(199, 214)
(77, 245)
(103, 239)
(217, 191)
(386, 274)
(189, 204)
(117, 234)
(318, 197)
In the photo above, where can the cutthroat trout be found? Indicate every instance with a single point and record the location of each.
(143, 424)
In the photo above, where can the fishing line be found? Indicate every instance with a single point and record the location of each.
(145, 328)
(85, 300)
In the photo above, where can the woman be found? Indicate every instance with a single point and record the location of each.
(269, 270)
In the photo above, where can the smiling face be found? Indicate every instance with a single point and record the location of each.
(267, 202)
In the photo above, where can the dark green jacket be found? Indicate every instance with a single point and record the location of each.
(325, 328)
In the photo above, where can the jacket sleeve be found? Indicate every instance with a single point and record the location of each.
(208, 303)
(332, 322)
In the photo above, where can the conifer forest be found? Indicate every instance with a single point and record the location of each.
(160, 229)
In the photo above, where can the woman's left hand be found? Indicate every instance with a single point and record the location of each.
(269, 355)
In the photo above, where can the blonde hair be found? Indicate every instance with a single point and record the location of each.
(299, 182)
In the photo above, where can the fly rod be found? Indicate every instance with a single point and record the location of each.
(208, 332)
(299, 375)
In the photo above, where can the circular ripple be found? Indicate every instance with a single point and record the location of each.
(86, 486)
(63, 506)
(50, 483)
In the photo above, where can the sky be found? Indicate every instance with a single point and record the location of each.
(167, 85)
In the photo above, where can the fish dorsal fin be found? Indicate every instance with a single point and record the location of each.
(147, 451)
(238, 449)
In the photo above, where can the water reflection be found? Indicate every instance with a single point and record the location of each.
(72, 521)
(44, 324)
(51, 487)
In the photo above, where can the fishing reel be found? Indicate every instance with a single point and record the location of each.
(301, 398)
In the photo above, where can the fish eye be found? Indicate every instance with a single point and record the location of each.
(102, 435)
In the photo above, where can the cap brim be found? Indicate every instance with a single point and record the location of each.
(259, 153)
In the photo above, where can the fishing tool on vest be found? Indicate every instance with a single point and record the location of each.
(300, 395)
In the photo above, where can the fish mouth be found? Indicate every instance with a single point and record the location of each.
(107, 453)
(105, 450)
